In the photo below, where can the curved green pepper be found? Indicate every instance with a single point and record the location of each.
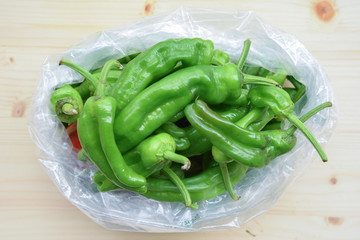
(280, 103)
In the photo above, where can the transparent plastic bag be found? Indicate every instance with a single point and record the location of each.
(259, 189)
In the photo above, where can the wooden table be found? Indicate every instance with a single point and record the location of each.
(323, 204)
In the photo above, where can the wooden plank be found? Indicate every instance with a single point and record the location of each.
(321, 204)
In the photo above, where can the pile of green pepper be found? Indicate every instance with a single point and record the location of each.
(180, 122)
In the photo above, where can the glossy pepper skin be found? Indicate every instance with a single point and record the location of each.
(158, 61)
(254, 149)
(159, 102)
(95, 130)
(199, 144)
(280, 103)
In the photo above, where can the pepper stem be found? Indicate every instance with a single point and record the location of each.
(244, 54)
(83, 72)
(180, 185)
(227, 180)
(111, 64)
(251, 79)
(308, 115)
(69, 109)
(174, 157)
(300, 125)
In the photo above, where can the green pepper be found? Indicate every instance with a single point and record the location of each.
(254, 149)
(295, 94)
(155, 154)
(280, 103)
(252, 116)
(159, 102)
(95, 130)
(66, 102)
(152, 154)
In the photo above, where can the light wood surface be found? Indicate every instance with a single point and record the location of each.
(323, 204)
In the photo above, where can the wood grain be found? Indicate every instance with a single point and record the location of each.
(322, 204)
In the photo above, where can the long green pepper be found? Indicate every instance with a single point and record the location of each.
(95, 130)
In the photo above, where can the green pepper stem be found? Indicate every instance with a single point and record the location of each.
(174, 157)
(298, 123)
(83, 72)
(179, 184)
(244, 54)
(251, 79)
(227, 181)
(111, 64)
(308, 115)
(69, 109)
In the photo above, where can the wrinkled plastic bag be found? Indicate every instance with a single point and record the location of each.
(259, 189)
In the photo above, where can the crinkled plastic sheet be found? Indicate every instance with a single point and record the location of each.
(259, 189)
